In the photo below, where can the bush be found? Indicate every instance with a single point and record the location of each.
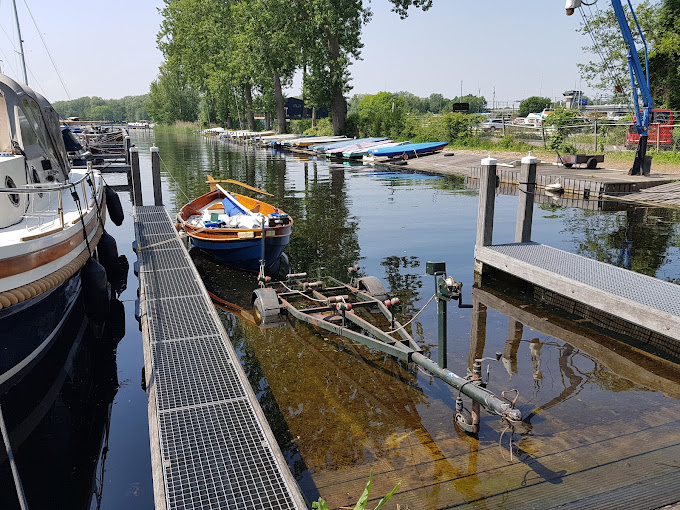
(324, 127)
(297, 127)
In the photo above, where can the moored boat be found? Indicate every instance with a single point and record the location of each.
(231, 227)
(360, 152)
(408, 150)
(51, 220)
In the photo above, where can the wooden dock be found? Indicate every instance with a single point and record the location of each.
(211, 445)
(666, 195)
(630, 297)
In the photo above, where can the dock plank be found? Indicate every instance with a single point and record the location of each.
(210, 442)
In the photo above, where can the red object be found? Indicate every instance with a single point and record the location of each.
(660, 129)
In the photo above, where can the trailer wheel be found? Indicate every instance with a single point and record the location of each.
(372, 286)
(592, 163)
(267, 305)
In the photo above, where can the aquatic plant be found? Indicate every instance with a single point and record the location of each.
(320, 504)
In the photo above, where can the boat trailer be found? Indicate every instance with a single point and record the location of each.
(362, 311)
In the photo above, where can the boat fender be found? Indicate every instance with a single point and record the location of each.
(96, 291)
(114, 207)
(107, 252)
(114, 330)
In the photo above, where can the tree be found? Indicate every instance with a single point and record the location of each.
(664, 61)
(171, 98)
(332, 37)
(381, 114)
(609, 69)
(533, 104)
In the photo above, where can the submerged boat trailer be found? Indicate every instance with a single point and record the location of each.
(363, 312)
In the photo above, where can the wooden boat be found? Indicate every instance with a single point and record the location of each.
(231, 227)
(408, 150)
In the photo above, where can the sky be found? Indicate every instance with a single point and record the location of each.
(517, 49)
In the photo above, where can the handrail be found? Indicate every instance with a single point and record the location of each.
(40, 188)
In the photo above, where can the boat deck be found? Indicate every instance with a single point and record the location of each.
(644, 301)
(211, 446)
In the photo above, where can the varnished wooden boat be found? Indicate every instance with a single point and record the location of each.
(230, 228)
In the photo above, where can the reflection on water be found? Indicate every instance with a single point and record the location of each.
(58, 421)
(601, 416)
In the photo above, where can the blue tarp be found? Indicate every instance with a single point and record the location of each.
(232, 207)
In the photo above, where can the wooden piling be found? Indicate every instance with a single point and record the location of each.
(126, 147)
(525, 207)
(156, 176)
(136, 177)
(485, 211)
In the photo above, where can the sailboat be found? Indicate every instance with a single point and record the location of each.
(51, 222)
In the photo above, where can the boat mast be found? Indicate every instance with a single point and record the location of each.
(21, 42)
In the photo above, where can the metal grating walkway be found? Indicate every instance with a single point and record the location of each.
(649, 302)
(215, 447)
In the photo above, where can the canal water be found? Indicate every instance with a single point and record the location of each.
(602, 409)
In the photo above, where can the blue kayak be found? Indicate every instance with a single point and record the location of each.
(410, 149)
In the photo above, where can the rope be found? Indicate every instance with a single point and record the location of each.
(300, 292)
(412, 318)
(172, 176)
(76, 198)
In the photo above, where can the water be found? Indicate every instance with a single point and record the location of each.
(601, 415)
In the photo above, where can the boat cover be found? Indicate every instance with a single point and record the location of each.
(232, 207)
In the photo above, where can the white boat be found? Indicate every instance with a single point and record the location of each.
(51, 221)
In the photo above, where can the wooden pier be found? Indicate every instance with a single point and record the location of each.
(628, 297)
(211, 445)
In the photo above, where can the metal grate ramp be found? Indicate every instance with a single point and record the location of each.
(649, 302)
(216, 449)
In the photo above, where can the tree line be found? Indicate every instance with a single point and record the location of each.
(226, 59)
(127, 109)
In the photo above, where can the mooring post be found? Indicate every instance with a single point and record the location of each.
(525, 207)
(487, 199)
(156, 176)
(136, 177)
(126, 147)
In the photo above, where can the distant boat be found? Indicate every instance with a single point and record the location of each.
(315, 140)
(555, 187)
(230, 227)
(360, 152)
(408, 150)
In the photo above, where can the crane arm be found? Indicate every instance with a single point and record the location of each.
(639, 79)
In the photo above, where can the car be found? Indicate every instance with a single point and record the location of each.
(491, 125)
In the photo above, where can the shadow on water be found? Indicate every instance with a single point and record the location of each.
(58, 419)
(599, 413)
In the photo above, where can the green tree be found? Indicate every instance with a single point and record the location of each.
(332, 37)
(533, 104)
(609, 68)
(381, 114)
(664, 61)
(171, 98)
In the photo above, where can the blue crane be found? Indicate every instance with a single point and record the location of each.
(639, 80)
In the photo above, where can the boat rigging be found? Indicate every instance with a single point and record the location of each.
(639, 79)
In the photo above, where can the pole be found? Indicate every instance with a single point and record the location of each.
(595, 135)
(477, 393)
(487, 198)
(525, 207)
(136, 178)
(21, 42)
(156, 176)
(15, 471)
(442, 357)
